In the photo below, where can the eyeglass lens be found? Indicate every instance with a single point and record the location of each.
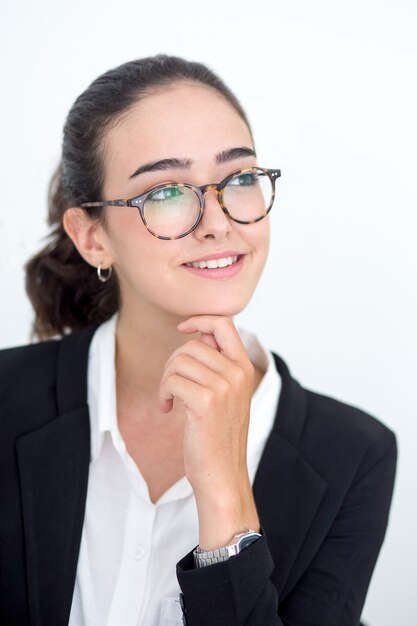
(171, 211)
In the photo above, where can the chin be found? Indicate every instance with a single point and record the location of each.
(225, 310)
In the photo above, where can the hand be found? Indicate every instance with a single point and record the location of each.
(214, 376)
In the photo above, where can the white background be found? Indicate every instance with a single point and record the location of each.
(329, 88)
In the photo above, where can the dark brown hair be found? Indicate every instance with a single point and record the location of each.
(64, 290)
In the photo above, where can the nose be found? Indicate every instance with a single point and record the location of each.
(214, 222)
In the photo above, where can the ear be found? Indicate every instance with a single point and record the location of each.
(88, 237)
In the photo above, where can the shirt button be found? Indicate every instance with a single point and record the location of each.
(139, 552)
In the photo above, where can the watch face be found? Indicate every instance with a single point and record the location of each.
(246, 541)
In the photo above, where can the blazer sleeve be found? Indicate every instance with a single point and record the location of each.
(331, 591)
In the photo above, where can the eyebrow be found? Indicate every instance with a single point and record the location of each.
(175, 163)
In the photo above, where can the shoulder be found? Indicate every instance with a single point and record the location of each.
(27, 384)
(28, 363)
(28, 378)
(35, 360)
(335, 437)
(338, 435)
(27, 393)
(341, 419)
(29, 354)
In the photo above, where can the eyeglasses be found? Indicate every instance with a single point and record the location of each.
(173, 210)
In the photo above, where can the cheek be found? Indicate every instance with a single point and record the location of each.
(261, 242)
(258, 235)
(140, 259)
(141, 273)
(128, 235)
(267, 236)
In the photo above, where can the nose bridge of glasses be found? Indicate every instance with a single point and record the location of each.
(213, 187)
(210, 187)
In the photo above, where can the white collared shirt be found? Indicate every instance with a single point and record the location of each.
(126, 573)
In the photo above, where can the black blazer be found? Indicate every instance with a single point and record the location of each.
(323, 490)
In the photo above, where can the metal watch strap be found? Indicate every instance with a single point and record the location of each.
(208, 557)
(202, 558)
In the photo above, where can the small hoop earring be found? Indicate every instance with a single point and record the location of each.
(104, 277)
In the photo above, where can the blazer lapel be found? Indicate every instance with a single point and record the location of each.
(287, 490)
(53, 463)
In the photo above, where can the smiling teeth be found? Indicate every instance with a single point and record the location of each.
(213, 263)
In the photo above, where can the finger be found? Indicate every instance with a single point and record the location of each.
(223, 330)
(192, 369)
(182, 388)
(209, 340)
(166, 405)
(202, 352)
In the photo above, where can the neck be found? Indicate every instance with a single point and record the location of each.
(145, 339)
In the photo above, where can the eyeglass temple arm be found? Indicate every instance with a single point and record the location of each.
(105, 203)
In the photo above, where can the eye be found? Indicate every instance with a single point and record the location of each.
(244, 180)
(165, 193)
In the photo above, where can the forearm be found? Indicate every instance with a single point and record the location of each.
(224, 513)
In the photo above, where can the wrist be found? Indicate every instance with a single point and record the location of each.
(222, 518)
(239, 542)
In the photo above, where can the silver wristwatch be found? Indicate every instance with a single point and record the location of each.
(240, 542)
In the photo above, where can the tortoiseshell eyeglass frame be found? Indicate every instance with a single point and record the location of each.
(139, 201)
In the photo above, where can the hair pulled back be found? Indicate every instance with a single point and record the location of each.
(63, 288)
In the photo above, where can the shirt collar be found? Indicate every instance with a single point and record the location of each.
(102, 387)
(264, 401)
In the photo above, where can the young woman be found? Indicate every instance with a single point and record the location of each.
(158, 465)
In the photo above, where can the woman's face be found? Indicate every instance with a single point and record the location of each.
(193, 122)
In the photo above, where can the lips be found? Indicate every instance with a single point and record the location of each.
(216, 255)
(214, 263)
(220, 273)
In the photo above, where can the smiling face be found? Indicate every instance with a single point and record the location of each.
(193, 123)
